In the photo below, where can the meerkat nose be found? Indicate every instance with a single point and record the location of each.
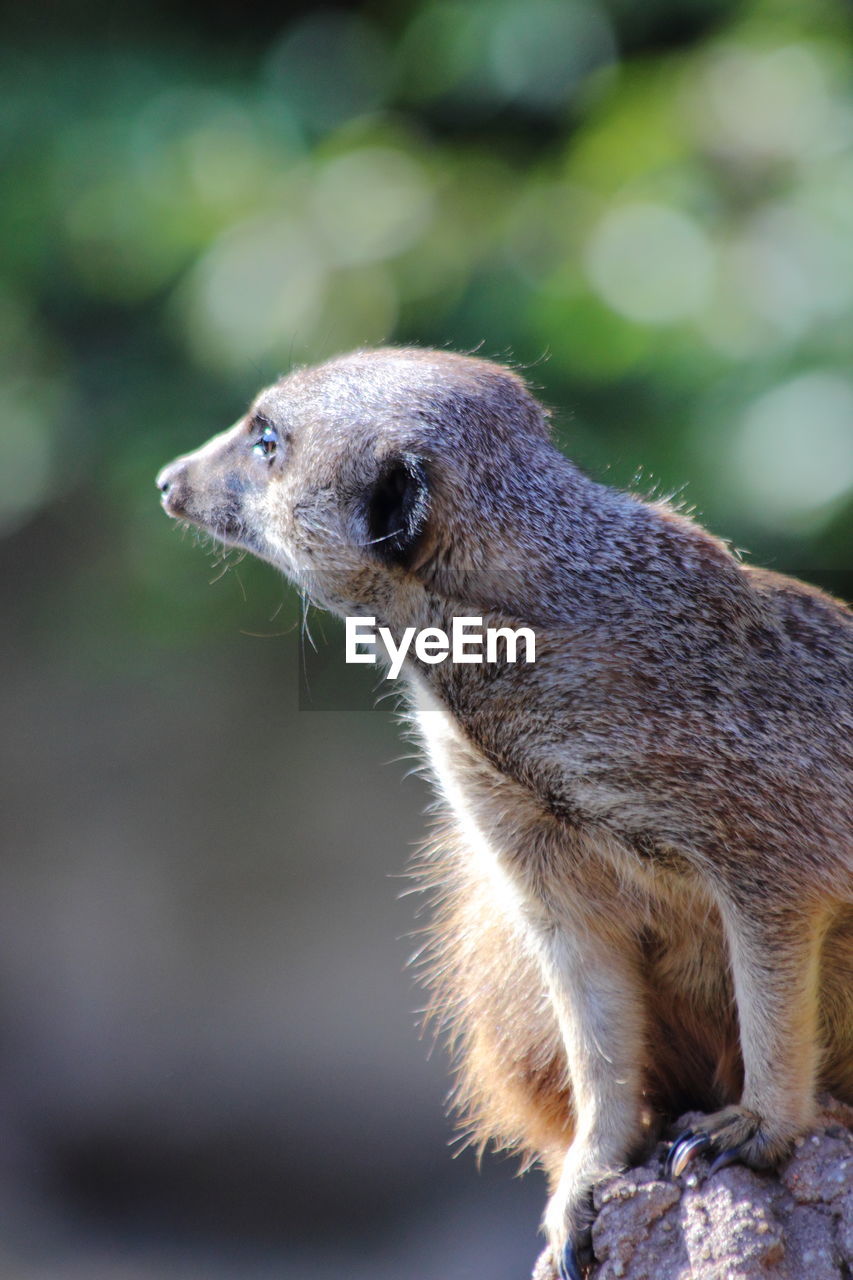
(166, 478)
(171, 482)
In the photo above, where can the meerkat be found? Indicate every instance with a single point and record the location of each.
(642, 870)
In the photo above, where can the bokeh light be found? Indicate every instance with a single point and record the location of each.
(371, 204)
(792, 455)
(650, 262)
(261, 284)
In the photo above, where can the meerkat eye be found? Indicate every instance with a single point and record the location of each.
(267, 442)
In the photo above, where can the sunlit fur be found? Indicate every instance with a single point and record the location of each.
(642, 861)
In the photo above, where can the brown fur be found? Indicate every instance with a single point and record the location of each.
(643, 873)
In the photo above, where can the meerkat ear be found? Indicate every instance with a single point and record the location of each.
(397, 507)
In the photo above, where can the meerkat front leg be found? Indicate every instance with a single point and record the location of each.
(597, 997)
(775, 963)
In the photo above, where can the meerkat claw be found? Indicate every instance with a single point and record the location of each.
(731, 1155)
(569, 1265)
(685, 1149)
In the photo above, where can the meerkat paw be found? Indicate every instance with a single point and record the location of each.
(568, 1226)
(564, 1265)
(733, 1135)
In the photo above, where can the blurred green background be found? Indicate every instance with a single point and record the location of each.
(207, 1050)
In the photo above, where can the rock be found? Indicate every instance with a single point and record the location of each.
(738, 1225)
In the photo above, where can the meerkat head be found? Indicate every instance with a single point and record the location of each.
(377, 468)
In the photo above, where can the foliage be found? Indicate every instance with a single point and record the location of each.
(651, 212)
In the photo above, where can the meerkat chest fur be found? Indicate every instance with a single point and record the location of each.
(543, 870)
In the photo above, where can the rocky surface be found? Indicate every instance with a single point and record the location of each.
(796, 1224)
